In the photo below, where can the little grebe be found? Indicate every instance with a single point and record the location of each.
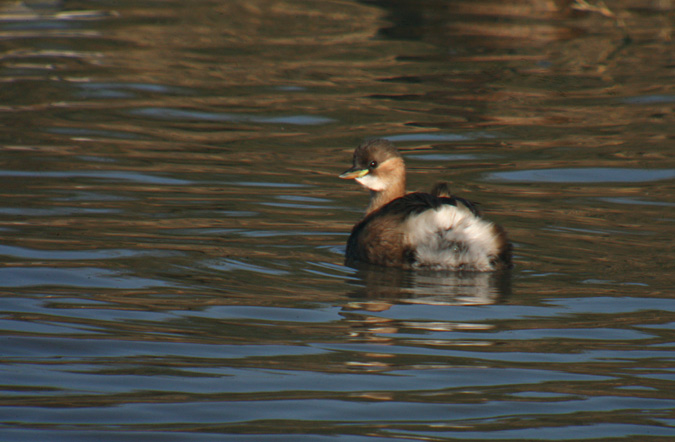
(418, 230)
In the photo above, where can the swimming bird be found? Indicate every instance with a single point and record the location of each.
(418, 230)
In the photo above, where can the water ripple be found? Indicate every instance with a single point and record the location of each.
(185, 114)
(584, 175)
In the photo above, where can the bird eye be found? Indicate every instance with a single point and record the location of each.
(373, 164)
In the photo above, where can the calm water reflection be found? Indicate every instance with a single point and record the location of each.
(173, 226)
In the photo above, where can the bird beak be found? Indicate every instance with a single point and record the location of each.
(354, 172)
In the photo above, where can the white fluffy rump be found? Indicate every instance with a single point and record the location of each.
(452, 238)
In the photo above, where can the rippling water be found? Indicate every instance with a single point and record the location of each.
(172, 226)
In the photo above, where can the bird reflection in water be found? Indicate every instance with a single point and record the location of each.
(387, 285)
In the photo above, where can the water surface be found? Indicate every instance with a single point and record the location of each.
(172, 226)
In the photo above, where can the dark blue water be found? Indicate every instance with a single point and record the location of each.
(172, 227)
